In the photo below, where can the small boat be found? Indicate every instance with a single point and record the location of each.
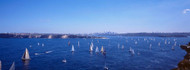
(26, 55)
(97, 50)
(102, 49)
(12, 66)
(64, 61)
(0, 65)
(105, 68)
(73, 49)
(91, 47)
(48, 51)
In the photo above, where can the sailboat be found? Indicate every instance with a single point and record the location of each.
(73, 49)
(42, 44)
(38, 44)
(122, 46)
(0, 65)
(12, 66)
(131, 51)
(150, 46)
(78, 43)
(172, 47)
(26, 55)
(105, 67)
(102, 49)
(64, 60)
(136, 42)
(91, 47)
(97, 50)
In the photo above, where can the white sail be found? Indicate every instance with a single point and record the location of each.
(0, 65)
(136, 42)
(91, 47)
(12, 66)
(42, 45)
(97, 50)
(38, 44)
(78, 43)
(131, 51)
(26, 55)
(73, 49)
(102, 49)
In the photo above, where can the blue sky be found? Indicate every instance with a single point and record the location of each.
(89, 16)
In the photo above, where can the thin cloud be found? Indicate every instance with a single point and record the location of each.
(185, 11)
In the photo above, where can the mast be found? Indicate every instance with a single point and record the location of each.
(26, 55)
(12, 66)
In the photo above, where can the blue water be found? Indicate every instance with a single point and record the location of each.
(157, 58)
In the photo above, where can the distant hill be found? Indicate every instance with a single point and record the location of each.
(40, 35)
(148, 34)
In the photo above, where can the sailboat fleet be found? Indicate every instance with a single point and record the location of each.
(26, 55)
